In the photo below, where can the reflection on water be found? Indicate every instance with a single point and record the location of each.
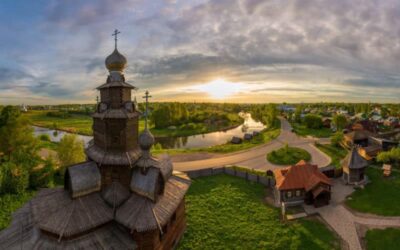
(214, 138)
(195, 141)
(56, 137)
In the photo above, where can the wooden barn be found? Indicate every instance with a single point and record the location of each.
(120, 198)
(300, 183)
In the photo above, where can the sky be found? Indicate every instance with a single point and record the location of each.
(196, 50)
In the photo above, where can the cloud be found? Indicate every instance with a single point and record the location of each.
(315, 46)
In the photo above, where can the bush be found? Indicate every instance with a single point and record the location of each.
(288, 155)
(42, 177)
(313, 121)
(44, 137)
(337, 139)
(14, 179)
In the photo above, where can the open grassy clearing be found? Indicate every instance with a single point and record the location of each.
(379, 239)
(335, 153)
(302, 130)
(226, 212)
(381, 196)
(288, 155)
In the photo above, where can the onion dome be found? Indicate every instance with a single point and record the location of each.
(146, 140)
(116, 61)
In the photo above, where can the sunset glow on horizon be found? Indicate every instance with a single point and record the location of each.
(234, 51)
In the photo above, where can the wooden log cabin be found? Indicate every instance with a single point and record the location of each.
(120, 198)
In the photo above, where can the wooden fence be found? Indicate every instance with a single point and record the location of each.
(250, 175)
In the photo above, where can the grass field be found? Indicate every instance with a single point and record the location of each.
(381, 196)
(335, 153)
(226, 212)
(379, 239)
(302, 130)
(288, 155)
(82, 124)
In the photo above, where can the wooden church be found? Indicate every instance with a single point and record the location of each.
(120, 198)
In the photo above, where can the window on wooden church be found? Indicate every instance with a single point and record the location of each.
(289, 194)
(298, 193)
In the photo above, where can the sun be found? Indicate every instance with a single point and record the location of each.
(219, 88)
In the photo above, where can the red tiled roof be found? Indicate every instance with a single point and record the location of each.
(300, 176)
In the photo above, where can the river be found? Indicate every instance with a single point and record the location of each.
(194, 141)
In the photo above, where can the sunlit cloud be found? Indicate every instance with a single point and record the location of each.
(290, 50)
(218, 89)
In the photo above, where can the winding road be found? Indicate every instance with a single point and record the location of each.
(255, 158)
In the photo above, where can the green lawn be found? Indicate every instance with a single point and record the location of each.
(379, 239)
(302, 130)
(335, 153)
(381, 196)
(11, 202)
(265, 136)
(226, 212)
(82, 124)
(288, 155)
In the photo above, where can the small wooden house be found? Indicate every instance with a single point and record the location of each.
(327, 122)
(354, 166)
(300, 183)
(120, 198)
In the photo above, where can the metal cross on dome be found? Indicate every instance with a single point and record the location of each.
(115, 35)
(146, 113)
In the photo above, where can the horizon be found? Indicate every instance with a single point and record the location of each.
(203, 51)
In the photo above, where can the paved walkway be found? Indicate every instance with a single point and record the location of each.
(343, 221)
(256, 157)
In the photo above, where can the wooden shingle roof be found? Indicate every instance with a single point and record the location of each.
(115, 194)
(354, 160)
(108, 237)
(83, 178)
(142, 214)
(145, 182)
(112, 157)
(56, 212)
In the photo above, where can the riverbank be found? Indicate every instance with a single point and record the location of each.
(82, 125)
(265, 136)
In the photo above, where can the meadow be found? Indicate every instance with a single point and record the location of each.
(378, 239)
(381, 196)
(302, 130)
(225, 212)
(336, 154)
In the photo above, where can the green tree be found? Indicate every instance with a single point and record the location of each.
(70, 151)
(18, 143)
(297, 113)
(392, 156)
(313, 121)
(337, 139)
(13, 178)
(340, 122)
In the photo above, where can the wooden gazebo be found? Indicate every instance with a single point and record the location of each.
(120, 198)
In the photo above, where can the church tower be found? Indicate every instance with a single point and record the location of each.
(115, 124)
